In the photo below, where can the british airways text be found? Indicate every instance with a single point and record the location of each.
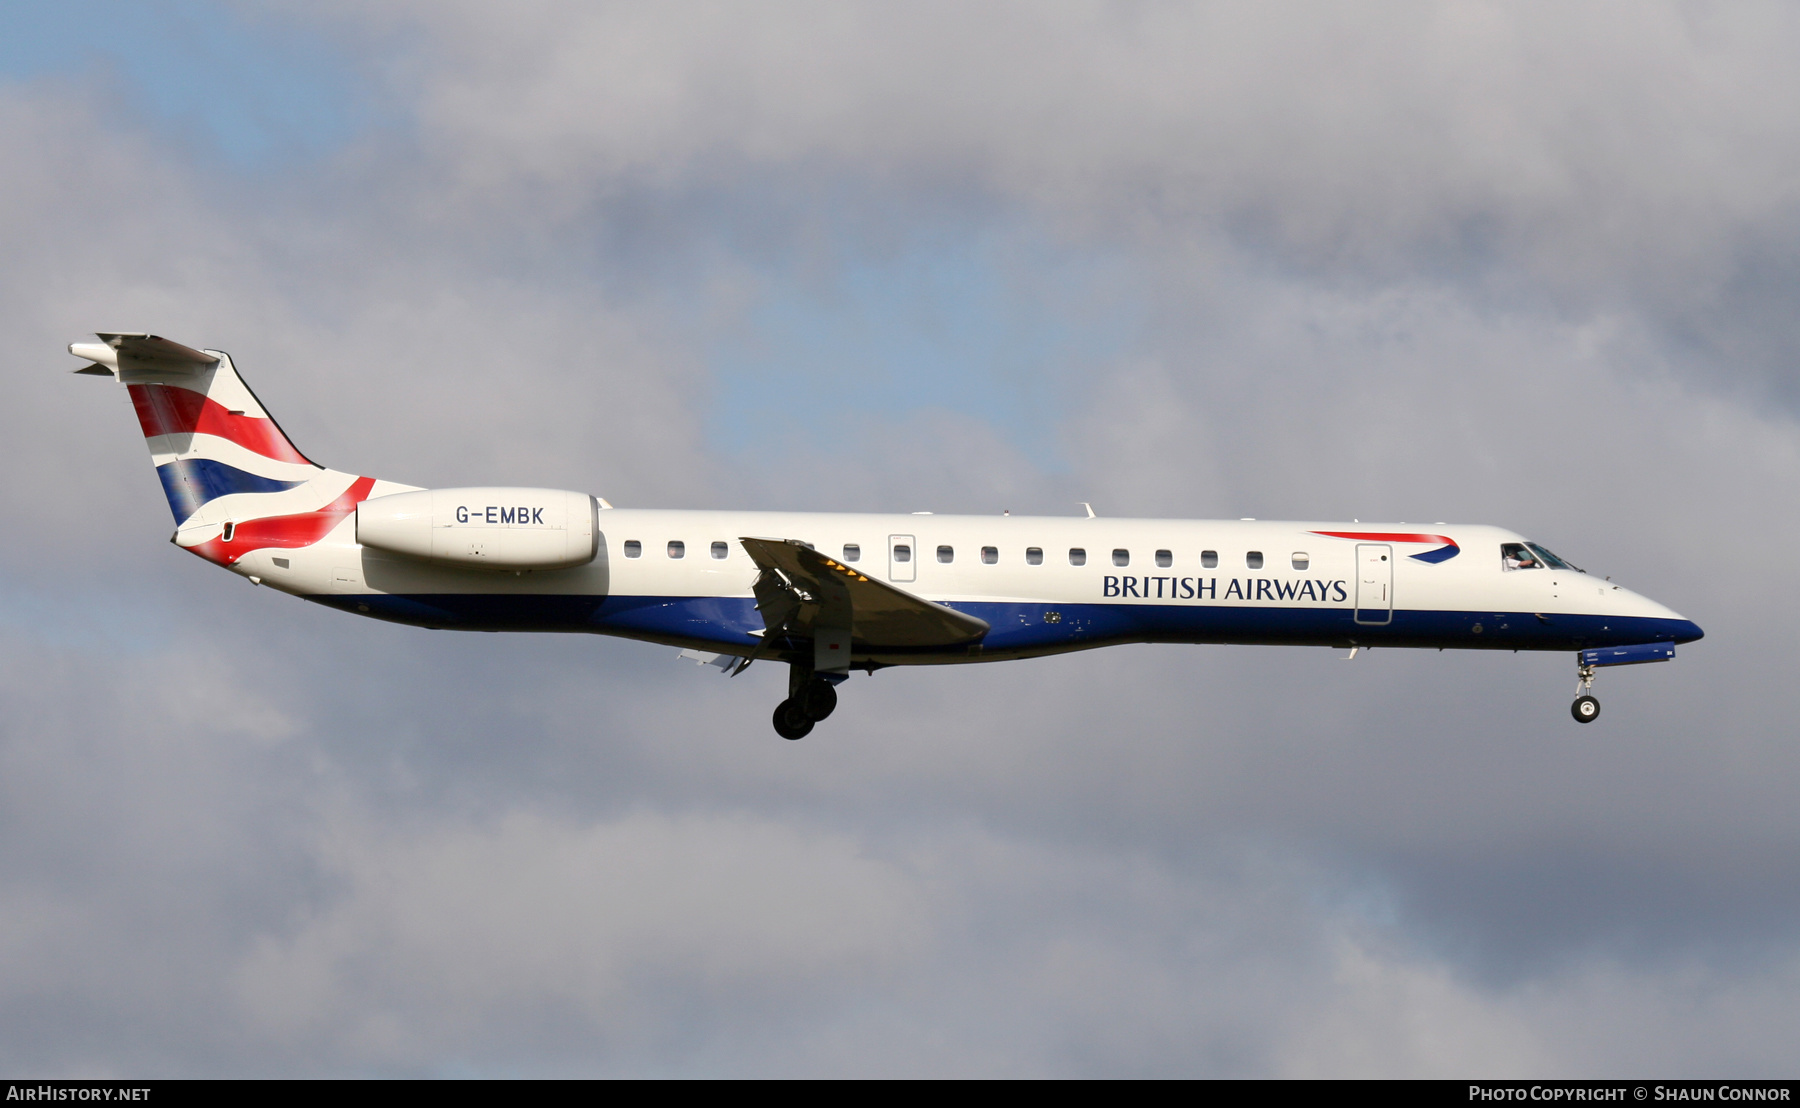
(1208, 588)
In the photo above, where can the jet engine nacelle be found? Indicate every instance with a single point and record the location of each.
(490, 528)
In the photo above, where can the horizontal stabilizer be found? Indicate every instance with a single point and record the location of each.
(831, 594)
(136, 356)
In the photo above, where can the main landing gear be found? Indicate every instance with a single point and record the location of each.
(810, 699)
(1586, 709)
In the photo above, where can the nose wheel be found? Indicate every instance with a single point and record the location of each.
(1586, 708)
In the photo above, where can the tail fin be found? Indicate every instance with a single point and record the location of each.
(234, 481)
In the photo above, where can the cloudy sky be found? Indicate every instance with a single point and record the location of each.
(1526, 264)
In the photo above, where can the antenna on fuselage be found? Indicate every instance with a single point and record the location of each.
(1090, 509)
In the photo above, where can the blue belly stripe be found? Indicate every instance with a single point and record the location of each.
(1019, 629)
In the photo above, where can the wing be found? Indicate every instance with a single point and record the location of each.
(800, 588)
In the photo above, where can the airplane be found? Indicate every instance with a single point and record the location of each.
(826, 594)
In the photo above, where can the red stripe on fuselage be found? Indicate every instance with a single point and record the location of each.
(1387, 536)
(172, 410)
(285, 532)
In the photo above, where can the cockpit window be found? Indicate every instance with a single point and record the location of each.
(1517, 555)
(1553, 561)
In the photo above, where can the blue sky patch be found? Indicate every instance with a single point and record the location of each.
(950, 322)
(256, 89)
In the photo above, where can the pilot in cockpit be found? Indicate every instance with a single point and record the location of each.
(1515, 555)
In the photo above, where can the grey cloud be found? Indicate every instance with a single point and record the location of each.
(657, 922)
(1408, 124)
(1602, 157)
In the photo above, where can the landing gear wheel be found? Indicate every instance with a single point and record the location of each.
(1585, 709)
(817, 699)
(791, 721)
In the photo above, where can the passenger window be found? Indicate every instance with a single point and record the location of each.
(1121, 557)
(633, 548)
(1516, 555)
(902, 553)
(946, 554)
(1034, 555)
(677, 548)
(1209, 559)
(852, 552)
(1253, 559)
(1164, 559)
(989, 555)
(1077, 556)
(720, 550)
(1301, 561)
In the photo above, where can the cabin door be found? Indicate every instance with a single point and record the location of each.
(1374, 583)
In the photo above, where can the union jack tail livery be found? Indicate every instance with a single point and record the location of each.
(234, 481)
(829, 594)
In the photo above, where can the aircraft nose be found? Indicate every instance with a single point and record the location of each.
(1669, 624)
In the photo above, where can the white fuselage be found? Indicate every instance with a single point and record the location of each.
(1137, 580)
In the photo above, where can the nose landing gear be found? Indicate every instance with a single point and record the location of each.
(1586, 708)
